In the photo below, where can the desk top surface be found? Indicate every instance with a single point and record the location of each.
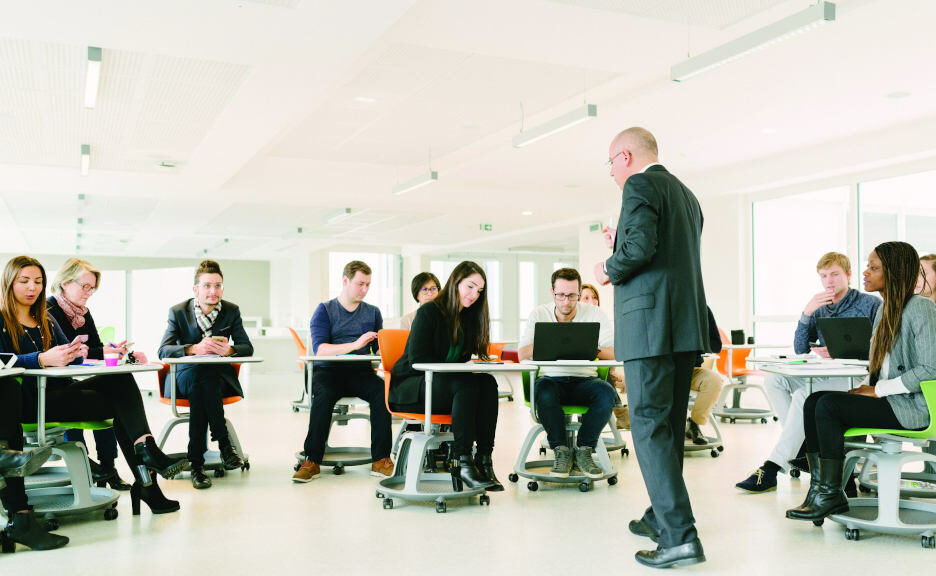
(474, 367)
(11, 372)
(76, 371)
(342, 358)
(816, 369)
(576, 363)
(212, 360)
(752, 346)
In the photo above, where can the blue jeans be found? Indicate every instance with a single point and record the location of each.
(553, 392)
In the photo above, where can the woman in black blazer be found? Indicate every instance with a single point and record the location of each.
(74, 284)
(450, 329)
(27, 331)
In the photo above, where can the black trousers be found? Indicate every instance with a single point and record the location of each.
(330, 385)
(658, 397)
(203, 386)
(827, 415)
(471, 399)
(102, 397)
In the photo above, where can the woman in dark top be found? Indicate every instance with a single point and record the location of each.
(74, 283)
(27, 331)
(450, 329)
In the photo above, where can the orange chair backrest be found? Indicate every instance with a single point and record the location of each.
(738, 357)
(392, 344)
(164, 373)
(496, 349)
(300, 347)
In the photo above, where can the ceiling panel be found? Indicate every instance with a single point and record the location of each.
(705, 13)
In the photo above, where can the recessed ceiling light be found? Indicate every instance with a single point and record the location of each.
(526, 213)
(364, 100)
(899, 94)
(768, 131)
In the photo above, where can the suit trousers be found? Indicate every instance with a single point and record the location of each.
(330, 385)
(205, 389)
(658, 397)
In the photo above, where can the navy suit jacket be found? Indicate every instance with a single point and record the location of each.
(184, 331)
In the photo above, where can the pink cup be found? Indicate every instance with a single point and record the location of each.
(111, 359)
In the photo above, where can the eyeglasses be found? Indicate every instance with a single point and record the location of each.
(610, 161)
(210, 286)
(87, 288)
(569, 297)
(429, 289)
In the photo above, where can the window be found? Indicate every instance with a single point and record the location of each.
(442, 269)
(527, 292)
(492, 271)
(385, 281)
(152, 293)
(902, 208)
(790, 234)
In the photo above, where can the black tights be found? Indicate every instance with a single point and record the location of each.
(471, 399)
(100, 398)
(827, 415)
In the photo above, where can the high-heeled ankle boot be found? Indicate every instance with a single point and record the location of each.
(150, 457)
(25, 529)
(485, 465)
(229, 456)
(812, 463)
(829, 497)
(469, 474)
(152, 495)
(113, 479)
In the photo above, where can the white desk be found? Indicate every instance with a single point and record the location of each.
(11, 372)
(786, 358)
(173, 364)
(305, 399)
(815, 369)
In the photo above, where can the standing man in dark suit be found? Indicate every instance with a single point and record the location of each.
(660, 328)
(203, 325)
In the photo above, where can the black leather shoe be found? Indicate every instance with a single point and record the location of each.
(682, 555)
(16, 463)
(469, 474)
(153, 458)
(641, 528)
(113, 479)
(695, 434)
(200, 480)
(229, 456)
(485, 466)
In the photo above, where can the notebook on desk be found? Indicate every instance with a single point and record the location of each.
(846, 338)
(565, 341)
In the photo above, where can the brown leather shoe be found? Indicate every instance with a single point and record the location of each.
(307, 472)
(622, 417)
(382, 468)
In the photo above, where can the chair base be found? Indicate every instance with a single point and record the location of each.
(48, 477)
(410, 482)
(538, 470)
(736, 411)
(212, 457)
(714, 446)
(77, 498)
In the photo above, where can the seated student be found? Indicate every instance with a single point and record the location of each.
(708, 385)
(74, 284)
(590, 295)
(28, 331)
(787, 394)
(903, 354)
(580, 386)
(452, 328)
(425, 287)
(198, 326)
(346, 325)
(926, 285)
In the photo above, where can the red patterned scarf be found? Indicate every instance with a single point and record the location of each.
(73, 312)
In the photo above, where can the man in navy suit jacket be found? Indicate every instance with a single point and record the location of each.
(204, 325)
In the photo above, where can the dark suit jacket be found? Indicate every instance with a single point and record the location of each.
(184, 331)
(659, 300)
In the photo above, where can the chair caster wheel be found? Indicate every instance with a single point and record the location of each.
(864, 489)
(612, 481)
(246, 466)
(219, 473)
(110, 514)
(583, 487)
(625, 452)
(532, 486)
(775, 419)
(732, 420)
(818, 522)
(928, 542)
(388, 504)
(295, 410)
(484, 500)
(380, 494)
(510, 398)
(52, 524)
(542, 451)
(338, 470)
(513, 477)
(763, 420)
(721, 448)
(852, 534)
(440, 507)
(794, 473)
(714, 453)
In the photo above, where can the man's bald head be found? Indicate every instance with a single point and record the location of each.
(639, 141)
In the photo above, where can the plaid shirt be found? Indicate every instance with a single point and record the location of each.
(205, 322)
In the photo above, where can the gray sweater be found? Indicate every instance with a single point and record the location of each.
(913, 360)
(854, 305)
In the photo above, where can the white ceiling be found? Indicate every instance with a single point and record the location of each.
(281, 113)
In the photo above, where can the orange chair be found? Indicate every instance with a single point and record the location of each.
(212, 457)
(738, 383)
(497, 349)
(410, 479)
(305, 397)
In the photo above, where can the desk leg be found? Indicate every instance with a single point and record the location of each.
(429, 402)
(808, 387)
(40, 417)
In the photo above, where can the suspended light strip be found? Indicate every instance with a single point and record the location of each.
(93, 79)
(564, 122)
(85, 159)
(813, 17)
(418, 182)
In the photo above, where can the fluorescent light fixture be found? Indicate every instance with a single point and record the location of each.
(85, 159)
(813, 17)
(418, 182)
(344, 214)
(364, 100)
(526, 213)
(94, 77)
(559, 124)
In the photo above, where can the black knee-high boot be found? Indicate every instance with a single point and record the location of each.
(829, 497)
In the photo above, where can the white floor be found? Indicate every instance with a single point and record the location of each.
(259, 522)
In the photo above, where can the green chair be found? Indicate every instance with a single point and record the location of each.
(56, 495)
(538, 470)
(889, 513)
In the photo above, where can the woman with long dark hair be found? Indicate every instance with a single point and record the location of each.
(451, 328)
(27, 330)
(903, 354)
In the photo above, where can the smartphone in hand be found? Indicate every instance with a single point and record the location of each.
(222, 339)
